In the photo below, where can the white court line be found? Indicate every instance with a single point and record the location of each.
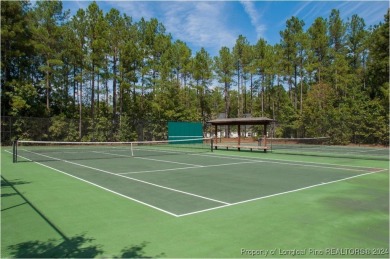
(276, 161)
(192, 167)
(364, 151)
(158, 150)
(134, 179)
(340, 151)
(304, 163)
(160, 170)
(151, 159)
(278, 194)
(318, 166)
(101, 187)
(167, 161)
(227, 204)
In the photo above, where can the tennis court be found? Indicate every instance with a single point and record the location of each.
(182, 179)
(182, 200)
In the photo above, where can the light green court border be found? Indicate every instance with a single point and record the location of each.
(349, 214)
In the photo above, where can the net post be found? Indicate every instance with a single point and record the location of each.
(212, 145)
(131, 147)
(15, 151)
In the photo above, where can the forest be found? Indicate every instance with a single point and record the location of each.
(103, 76)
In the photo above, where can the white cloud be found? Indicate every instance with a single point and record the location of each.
(372, 13)
(255, 17)
(301, 8)
(198, 23)
(135, 9)
(308, 10)
(201, 24)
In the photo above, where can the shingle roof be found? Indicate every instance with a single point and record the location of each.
(242, 121)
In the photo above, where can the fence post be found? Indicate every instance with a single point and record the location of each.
(15, 151)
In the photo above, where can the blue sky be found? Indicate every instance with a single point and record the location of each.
(214, 24)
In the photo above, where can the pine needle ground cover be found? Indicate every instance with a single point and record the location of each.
(221, 204)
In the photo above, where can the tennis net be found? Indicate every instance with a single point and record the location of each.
(39, 151)
(322, 147)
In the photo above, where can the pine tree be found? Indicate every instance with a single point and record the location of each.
(96, 42)
(239, 54)
(319, 46)
(17, 52)
(46, 34)
(115, 39)
(202, 74)
(224, 69)
(78, 47)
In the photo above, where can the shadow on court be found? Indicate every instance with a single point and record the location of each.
(137, 251)
(78, 246)
(6, 184)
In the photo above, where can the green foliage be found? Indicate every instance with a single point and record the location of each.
(72, 134)
(31, 129)
(23, 99)
(106, 77)
(59, 127)
(99, 129)
(339, 131)
(63, 129)
(375, 124)
(224, 69)
(317, 109)
(378, 61)
(126, 131)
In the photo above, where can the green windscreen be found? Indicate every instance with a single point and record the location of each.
(191, 131)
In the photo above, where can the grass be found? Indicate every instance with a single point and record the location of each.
(47, 214)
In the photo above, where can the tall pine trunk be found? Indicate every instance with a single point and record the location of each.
(93, 95)
(114, 86)
(48, 89)
(81, 104)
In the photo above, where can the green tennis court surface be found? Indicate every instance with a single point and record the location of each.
(314, 147)
(166, 194)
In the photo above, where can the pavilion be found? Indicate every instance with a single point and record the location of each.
(242, 121)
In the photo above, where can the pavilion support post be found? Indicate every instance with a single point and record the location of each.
(239, 136)
(265, 137)
(216, 135)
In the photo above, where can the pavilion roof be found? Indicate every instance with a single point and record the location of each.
(242, 121)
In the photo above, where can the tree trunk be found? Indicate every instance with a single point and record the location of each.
(80, 104)
(48, 90)
(114, 88)
(93, 95)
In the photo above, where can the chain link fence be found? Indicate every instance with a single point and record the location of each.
(60, 128)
